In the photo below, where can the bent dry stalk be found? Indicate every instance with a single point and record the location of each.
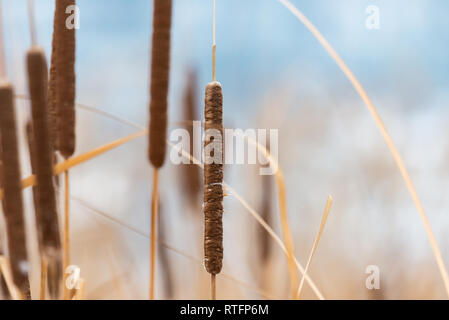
(11, 183)
(46, 214)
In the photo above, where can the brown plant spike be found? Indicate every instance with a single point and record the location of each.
(46, 215)
(63, 81)
(191, 174)
(11, 183)
(213, 178)
(160, 68)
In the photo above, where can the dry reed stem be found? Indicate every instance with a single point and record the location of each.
(43, 279)
(214, 47)
(13, 202)
(315, 244)
(2, 47)
(160, 69)
(164, 228)
(383, 130)
(66, 253)
(47, 215)
(154, 218)
(14, 292)
(213, 287)
(32, 22)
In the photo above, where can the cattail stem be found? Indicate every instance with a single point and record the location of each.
(213, 287)
(32, 22)
(43, 279)
(2, 46)
(154, 218)
(214, 48)
(66, 230)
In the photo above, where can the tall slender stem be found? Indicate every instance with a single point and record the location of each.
(154, 216)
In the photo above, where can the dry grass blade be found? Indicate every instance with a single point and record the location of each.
(47, 215)
(315, 244)
(13, 202)
(383, 130)
(5, 272)
(75, 161)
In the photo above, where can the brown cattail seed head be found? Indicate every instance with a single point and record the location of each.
(11, 183)
(213, 179)
(62, 82)
(191, 178)
(47, 217)
(160, 68)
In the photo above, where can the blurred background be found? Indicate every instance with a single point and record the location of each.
(275, 75)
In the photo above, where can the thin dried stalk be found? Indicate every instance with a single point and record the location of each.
(315, 243)
(46, 215)
(163, 256)
(13, 203)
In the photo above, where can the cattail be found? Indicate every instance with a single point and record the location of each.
(265, 213)
(35, 188)
(62, 82)
(11, 183)
(46, 215)
(52, 100)
(191, 172)
(213, 179)
(160, 67)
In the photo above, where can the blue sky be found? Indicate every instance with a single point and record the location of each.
(259, 45)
